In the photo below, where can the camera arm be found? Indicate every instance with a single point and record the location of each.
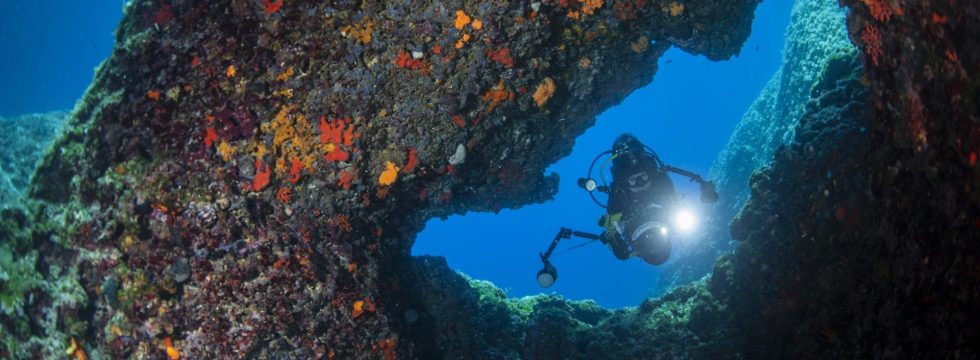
(548, 274)
(708, 192)
(565, 233)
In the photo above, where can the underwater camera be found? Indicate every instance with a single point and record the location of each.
(649, 235)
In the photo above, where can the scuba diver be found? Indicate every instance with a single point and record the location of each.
(641, 199)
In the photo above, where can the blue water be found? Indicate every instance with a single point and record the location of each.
(686, 115)
(51, 47)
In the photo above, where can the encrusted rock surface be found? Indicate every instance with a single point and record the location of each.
(815, 32)
(245, 178)
(861, 239)
(24, 140)
(858, 241)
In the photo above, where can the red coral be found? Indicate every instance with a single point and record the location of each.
(625, 10)
(164, 15)
(501, 56)
(294, 170)
(272, 6)
(343, 223)
(388, 347)
(284, 194)
(337, 133)
(413, 161)
(262, 173)
(210, 137)
(406, 61)
(879, 9)
(345, 180)
(459, 121)
(872, 42)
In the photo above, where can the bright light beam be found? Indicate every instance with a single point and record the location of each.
(684, 220)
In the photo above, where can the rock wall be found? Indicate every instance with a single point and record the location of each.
(816, 31)
(861, 242)
(245, 178)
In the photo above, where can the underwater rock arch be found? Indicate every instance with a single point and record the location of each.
(245, 178)
(169, 235)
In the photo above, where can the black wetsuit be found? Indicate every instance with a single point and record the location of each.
(626, 201)
(630, 204)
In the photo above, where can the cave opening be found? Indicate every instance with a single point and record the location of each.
(687, 114)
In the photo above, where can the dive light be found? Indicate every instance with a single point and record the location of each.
(684, 220)
(547, 275)
(587, 184)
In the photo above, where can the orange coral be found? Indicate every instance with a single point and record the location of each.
(153, 95)
(389, 175)
(226, 150)
(674, 8)
(172, 352)
(497, 95)
(284, 194)
(879, 9)
(292, 140)
(588, 7)
(462, 40)
(362, 306)
(361, 31)
(358, 309)
(76, 350)
(285, 75)
(544, 91)
(461, 19)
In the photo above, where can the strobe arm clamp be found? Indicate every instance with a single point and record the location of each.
(549, 274)
(708, 193)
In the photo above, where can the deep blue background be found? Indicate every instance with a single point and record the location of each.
(50, 49)
(686, 115)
